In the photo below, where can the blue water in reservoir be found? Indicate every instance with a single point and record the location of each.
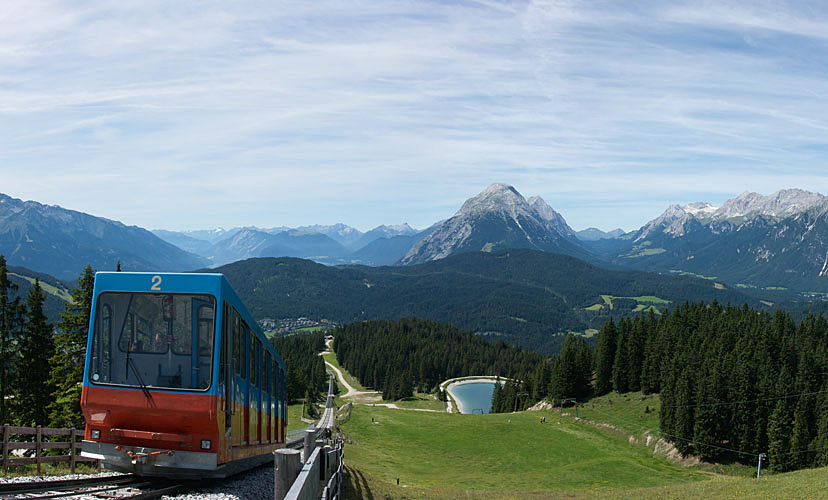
(472, 398)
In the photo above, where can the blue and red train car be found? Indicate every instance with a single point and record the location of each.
(179, 380)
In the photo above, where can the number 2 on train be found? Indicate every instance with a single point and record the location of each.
(156, 283)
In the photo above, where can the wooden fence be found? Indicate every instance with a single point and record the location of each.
(39, 445)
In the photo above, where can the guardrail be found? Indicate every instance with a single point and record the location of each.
(320, 477)
(39, 445)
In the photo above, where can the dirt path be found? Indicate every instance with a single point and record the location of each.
(352, 393)
(368, 397)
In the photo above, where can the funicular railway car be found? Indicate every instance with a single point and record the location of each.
(179, 380)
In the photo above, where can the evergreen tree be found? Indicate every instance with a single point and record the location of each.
(9, 321)
(779, 437)
(635, 354)
(621, 365)
(780, 426)
(604, 357)
(651, 370)
(496, 397)
(572, 370)
(707, 422)
(70, 354)
(684, 421)
(34, 392)
(820, 442)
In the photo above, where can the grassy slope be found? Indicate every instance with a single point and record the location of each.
(60, 293)
(812, 483)
(422, 401)
(526, 459)
(295, 417)
(433, 452)
(331, 358)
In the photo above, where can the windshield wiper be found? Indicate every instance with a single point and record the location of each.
(144, 388)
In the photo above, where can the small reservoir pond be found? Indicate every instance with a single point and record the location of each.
(474, 397)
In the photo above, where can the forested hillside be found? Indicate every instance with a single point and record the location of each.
(55, 291)
(525, 297)
(398, 357)
(305, 369)
(734, 382)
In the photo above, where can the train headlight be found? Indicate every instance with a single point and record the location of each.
(206, 444)
(96, 434)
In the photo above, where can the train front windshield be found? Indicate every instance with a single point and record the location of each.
(153, 340)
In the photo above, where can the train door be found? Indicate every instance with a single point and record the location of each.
(238, 385)
(254, 396)
(267, 385)
(282, 404)
(259, 390)
(248, 349)
(274, 403)
(277, 397)
(226, 369)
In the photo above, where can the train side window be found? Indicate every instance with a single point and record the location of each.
(254, 350)
(222, 349)
(266, 385)
(273, 380)
(237, 344)
(259, 369)
(246, 350)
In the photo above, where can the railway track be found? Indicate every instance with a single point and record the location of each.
(127, 486)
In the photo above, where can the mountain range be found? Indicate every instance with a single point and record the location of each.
(332, 245)
(753, 241)
(61, 242)
(774, 241)
(523, 296)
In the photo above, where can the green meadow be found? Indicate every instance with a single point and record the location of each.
(514, 456)
(440, 455)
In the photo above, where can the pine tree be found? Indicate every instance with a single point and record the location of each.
(70, 354)
(34, 392)
(621, 365)
(706, 421)
(605, 357)
(779, 437)
(9, 321)
(684, 420)
(780, 426)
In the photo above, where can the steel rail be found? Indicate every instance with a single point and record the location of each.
(152, 489)
(62, 483)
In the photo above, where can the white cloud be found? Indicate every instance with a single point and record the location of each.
(378, 112)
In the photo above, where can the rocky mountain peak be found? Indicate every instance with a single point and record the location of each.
(542, 208)
(548, 214)
(499, 217)
(673, 222)
(699, 209)
(496, 198)
(782, 203)
(395, 229)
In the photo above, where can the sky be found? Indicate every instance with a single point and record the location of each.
(201, 114)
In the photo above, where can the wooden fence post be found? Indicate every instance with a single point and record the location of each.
(38, 447)
(72, 433)
(6, 449)
(287, 464)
